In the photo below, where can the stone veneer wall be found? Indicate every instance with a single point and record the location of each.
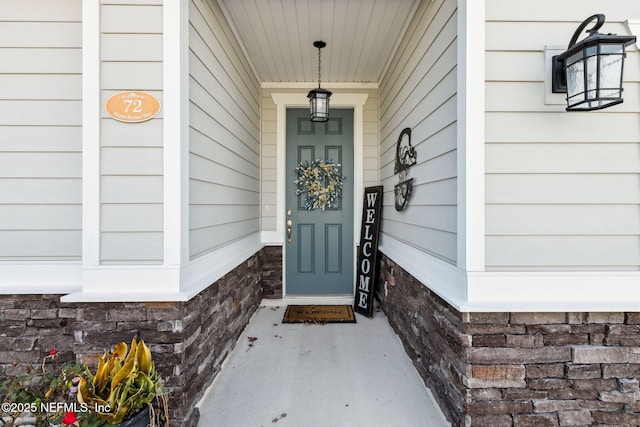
(517, 369)
(272, 272)
(189, 340)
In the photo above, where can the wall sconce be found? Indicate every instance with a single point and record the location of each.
(590, 72)
(319, 98)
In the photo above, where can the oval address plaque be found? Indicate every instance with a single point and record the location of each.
(132, 106)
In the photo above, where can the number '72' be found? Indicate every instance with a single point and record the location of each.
(135, 103)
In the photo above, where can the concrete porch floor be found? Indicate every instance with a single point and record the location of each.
(318, 375)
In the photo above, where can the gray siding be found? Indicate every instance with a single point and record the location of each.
(224, 134)
(40, 130)
(131, 155)
(562, 189)
(419, 91)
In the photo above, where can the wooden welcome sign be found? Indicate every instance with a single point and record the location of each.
(367, 267)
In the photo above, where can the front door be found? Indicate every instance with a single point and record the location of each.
(319, 242)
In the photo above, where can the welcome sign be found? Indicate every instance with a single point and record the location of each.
(367, 267)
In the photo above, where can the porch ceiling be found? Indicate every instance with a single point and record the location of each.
(278, 36)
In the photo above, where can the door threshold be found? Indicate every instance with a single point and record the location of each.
(309, 299)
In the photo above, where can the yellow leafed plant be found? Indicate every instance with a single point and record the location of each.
(125, 381)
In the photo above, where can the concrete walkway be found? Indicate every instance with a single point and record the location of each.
(318, 375)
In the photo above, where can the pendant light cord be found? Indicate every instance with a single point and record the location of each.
(319, 63)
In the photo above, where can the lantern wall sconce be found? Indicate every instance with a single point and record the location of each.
(590, 71)
(319, 98)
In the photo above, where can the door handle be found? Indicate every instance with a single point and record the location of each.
(289, 224)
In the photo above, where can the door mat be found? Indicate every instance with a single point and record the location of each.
(319, 314)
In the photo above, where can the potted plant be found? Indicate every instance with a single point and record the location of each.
(123, 386)
(125, 390)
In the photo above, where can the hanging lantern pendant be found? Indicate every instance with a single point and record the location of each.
(319, 98)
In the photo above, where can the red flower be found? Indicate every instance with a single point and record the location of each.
(52, 352)
(69, 418)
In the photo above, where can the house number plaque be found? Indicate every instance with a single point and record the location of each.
(132, 106)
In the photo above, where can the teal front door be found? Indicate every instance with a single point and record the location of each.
(319, 243)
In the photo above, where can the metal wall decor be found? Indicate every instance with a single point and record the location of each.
(406, 157)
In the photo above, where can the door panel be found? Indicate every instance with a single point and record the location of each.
(319, 255)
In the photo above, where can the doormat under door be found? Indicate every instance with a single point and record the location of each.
(319, 314)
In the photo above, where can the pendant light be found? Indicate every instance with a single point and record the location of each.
(319, 98)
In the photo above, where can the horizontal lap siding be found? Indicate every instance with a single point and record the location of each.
(419, 91)
(562, 189)
(131, 154)
(269, 188)
(40, 130)
(224, 158)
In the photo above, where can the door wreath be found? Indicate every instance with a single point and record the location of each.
(322, 183)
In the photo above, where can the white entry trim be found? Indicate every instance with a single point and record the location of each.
(284, 100)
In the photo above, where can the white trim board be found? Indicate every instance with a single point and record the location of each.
(40, 277)
(138, 283)
(497, 291)
(209, 268)
(325, 85)
(553, 291)
(445, 279)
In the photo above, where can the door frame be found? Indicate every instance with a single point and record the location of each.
(299, 100)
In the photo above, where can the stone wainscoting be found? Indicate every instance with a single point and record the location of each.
(188, 340)
(272, 272)
(517, 369)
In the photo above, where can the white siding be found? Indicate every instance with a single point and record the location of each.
(131, 155)
(419, 92)
(562, 189)
(40, 134)
(224, 136)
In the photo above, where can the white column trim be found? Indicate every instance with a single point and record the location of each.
(284, 100)
(91, 117)
(138, 282)
(470, 134)
(176, 132)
